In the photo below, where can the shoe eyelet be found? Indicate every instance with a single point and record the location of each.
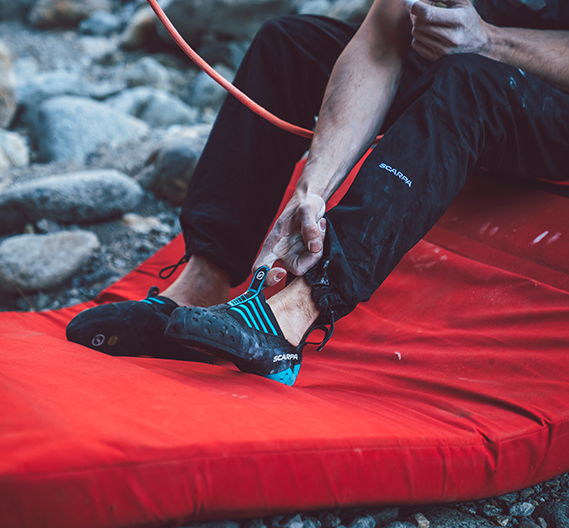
(195, 319)
(208, 321)
(206, 330)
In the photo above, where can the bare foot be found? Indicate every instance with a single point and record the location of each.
(294, 309)
(200, 284)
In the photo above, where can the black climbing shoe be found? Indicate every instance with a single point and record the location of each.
(131, 328)
(243, 331)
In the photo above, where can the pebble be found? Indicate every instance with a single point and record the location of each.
(37, 262)
(522, 509)
(443, 517)
(147, 72)
(62, 135)
(330, 520)
(100, 23)
(419, 520)
(363, 522)
(14, 150)
(80, 197)
(8, 102)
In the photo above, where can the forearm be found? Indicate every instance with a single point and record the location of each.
(543, 53)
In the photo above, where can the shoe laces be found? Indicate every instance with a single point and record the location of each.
(168, 271)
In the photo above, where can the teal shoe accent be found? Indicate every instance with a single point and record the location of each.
(288, 376)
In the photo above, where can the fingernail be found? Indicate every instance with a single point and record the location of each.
(314, 246)
(409, 4)
(280, 276)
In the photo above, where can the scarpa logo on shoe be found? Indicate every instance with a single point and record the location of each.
(285, 357)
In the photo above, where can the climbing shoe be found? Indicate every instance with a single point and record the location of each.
(243, 331)
(131, 328)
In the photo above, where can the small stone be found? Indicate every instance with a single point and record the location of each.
(294, 522)
(419, 520)
(206, 93)
(522, 509)
(503, 520)
(8, 101)
(147, 72)
(78, 197)
(330, 520)
(14, 151)
(139, 30)
(508, 498)
(45, 226)
(542, 522)
(525, 493)
(100, 49)
(363, 522)
(144, 225)
(100, 23)
(64, 13)
(384, 516)
(311, 522)
(490, 510)
(156, 107)
(69, 128)
(34, 262)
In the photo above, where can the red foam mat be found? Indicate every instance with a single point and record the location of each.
(450, 384)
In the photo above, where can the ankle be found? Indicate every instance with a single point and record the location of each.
(294, 310)
(200, 284)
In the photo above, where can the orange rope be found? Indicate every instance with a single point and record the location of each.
(234, 91)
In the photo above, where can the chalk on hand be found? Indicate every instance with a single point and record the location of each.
(409, 4)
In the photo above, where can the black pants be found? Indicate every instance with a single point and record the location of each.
(448, 117)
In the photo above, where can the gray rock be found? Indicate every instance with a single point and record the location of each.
(384, 516)
(448, 518)
(522, 509)
(147, 72)
(72, 198)
(14, 150)
(366, 521)
(14, 9)
(228, 53)
(37, 262)
(69, 128)
(154, 106)
(206, 93)
(311, 522)
(64, 13)
(555, 514)
(239, 19)
(294, 522)
(419, 520)
(50, 84)
(100, 23)
(101, 50)
(490, 510)
(170, 168)
(330, 520)
(7, 88)
(25, 69)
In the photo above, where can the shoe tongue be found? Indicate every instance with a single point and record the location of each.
(259, 279)
(253, 309)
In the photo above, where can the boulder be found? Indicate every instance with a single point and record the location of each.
(238, 19)
(40, 262)
(64, 13)
(170, 168)
(14, 151)
(75, 198)
(155, 107)
(147, 72)
(69, 128)
(206, 93)
(7, 88)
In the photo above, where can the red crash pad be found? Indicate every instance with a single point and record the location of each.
(450, 384)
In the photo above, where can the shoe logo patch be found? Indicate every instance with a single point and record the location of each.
(113, 340)
(285, 357)
(98, 340)
(260, 274)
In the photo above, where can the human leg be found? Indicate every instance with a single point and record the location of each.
(466, 110)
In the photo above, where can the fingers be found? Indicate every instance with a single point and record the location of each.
(275, 276)
(429, 13)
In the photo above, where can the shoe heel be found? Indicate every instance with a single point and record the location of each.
(287, 377)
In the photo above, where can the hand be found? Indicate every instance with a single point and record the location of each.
(296, 239)
(439, 31)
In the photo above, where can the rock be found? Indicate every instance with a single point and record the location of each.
(25, 69)
(47, 226)
(419, 520)
(101, 50)
(35, 262)
(154, 106)
(14, 151)
(315, 7)
(47, 85)
(79, 197)
(64, 13)
(100, 23)
(399, 524)
(384, 516)
(556, 514)
(144, 225)
(228, 53)
(206, 93)
(448, 518)
(528, 523)
(311, 522)
(490, 510)
(294, 522)
(140, 29)
(14, 9)
(522, 509)
(330, 520)
(7, 88)
(238, 19)
(170, 168)
(363, 522)
(503, 520)
(69, 128)
(147, 72)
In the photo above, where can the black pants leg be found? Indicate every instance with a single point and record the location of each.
(465, 110)
(247, 163)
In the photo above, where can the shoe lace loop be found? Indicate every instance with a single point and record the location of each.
(328, 331)
(168, 271)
